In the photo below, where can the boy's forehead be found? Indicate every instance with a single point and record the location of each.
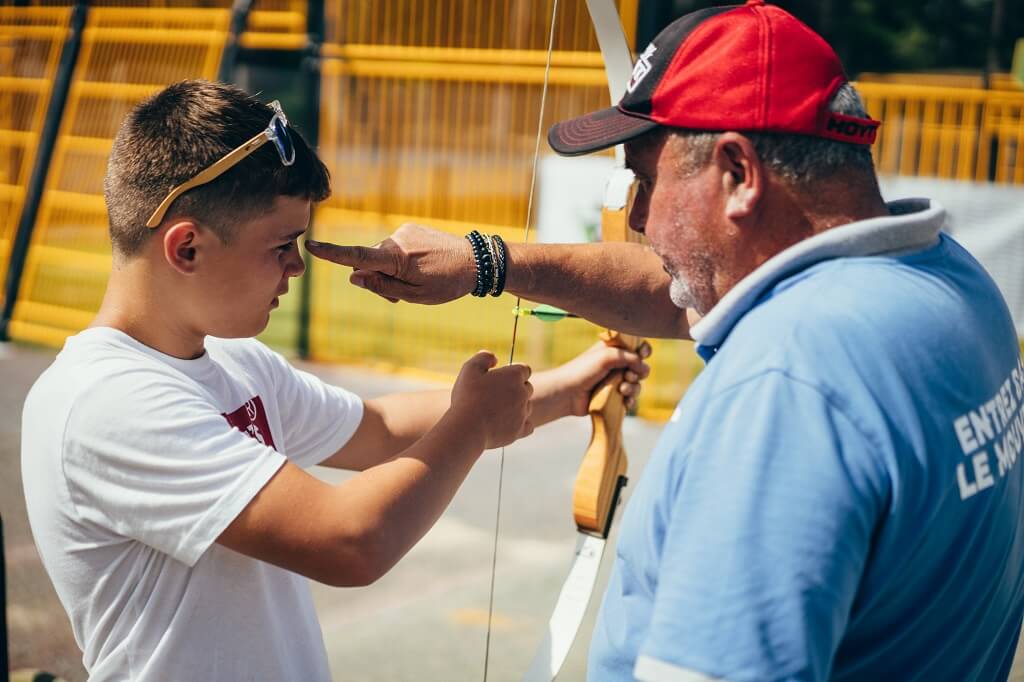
(289, 235)
(286, 216)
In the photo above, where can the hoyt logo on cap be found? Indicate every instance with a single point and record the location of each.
(750, 67)
(641, 68)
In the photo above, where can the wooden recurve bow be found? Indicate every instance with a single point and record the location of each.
(602, 473)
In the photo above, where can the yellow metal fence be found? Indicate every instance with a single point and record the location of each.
(955, 133)
(126, 54)
(31, 39)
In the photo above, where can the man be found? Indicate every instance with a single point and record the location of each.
(164, 468)
(838, 495)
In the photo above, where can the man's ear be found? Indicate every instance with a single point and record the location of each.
(743, 174)
(180, 243)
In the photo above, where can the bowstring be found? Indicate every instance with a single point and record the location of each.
(515, 325)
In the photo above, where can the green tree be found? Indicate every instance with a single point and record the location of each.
(891, 35)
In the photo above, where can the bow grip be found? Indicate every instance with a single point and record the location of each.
(602, 473)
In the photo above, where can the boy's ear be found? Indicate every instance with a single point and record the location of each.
(180, 243)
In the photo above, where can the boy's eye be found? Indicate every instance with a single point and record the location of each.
(286, 246)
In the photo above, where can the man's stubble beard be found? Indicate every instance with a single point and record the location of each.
(682, 290)
(681, 293)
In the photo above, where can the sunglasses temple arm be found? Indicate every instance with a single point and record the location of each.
(208, 175)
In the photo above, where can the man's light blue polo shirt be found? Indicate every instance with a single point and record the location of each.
(838, 496)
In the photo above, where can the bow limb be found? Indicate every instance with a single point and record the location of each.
(602, 473)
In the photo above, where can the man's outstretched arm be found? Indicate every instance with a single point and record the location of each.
(617, 285)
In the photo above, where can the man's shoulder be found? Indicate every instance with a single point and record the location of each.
(837, 287)
(837, 320)
(808, 315)
(868, 302)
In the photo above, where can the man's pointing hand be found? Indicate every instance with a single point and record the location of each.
(416, 264)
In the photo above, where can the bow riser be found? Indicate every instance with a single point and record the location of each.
(602, 472)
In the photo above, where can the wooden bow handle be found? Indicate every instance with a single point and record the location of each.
(602, 473)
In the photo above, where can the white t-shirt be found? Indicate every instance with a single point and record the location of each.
(134, 462)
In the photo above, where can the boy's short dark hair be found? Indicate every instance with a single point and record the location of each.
(183, 129)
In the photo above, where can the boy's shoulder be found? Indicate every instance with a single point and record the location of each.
(106, 366)
(101, 365)
(103, 352)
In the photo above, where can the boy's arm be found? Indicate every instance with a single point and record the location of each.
(390, 424)
(353, 533)
(393, 423)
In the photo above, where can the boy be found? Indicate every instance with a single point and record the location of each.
(163, 453)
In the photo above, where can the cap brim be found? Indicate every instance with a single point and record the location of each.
(595, 131)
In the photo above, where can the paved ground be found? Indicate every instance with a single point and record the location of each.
(425, 620)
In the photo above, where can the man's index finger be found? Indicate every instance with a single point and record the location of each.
(361, 257)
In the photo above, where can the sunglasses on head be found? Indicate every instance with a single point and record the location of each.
(276, 132)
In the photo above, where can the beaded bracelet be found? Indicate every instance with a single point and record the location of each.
(496, 265)
(484, 264)
(501, 263)
(491, 257)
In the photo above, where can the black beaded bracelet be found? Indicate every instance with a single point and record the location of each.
(501, 263)
(484, 264)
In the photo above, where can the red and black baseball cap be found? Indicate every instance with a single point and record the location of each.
(752, 67)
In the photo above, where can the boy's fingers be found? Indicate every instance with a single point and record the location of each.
(523, 370)
(483, 360)
(360, 257)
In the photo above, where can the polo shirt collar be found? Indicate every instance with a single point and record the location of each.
(913, 224)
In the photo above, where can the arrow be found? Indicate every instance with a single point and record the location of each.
(544, 313)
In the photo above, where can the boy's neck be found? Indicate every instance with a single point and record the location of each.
(135, 303)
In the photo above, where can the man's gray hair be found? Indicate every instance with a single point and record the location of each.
(797, 159)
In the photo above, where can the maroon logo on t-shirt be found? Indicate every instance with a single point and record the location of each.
(251, 419)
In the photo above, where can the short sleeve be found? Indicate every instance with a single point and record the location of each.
(770, 525)
(148, 458)
(317, 418)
